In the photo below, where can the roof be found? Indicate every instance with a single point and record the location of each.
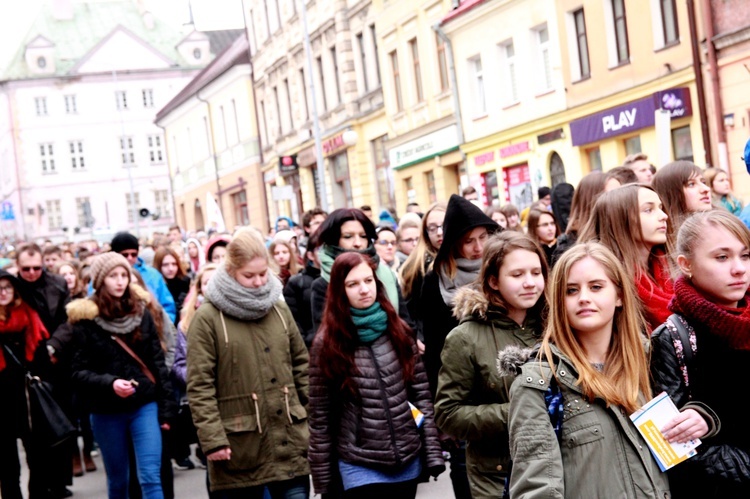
(221, 39)
(235, 54)
(466, 5)
(91, 23)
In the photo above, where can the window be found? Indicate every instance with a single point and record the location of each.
(46, 154)
(41, 62)
(342, 188)
(155, 154)
(278, 110)
(41, 106)
(224, 127)
(335, 62)
(126, 147)
(76, 155)
(263, 120)
(442, 63)
(429, 179)
(289, 113)
(595, 159)
(621, 31)
(414, 48)
(241, 214)
(162, 204)
(584, 70)
(683, 146)
(363, 61)
(236, 129)
(70, 104)
(197, 54)
(480, 105)
(122, 100)
(633, 145)
(321, 81)
(130, 205)
(396, 80)
(373, 37)
(265, 14)
(303, 86)
(508, 51)
(542, 36)
(383, 174)
(148, 97)
(54, 214)
(83, 208)
(669, 21)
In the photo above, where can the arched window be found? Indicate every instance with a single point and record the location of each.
(556, 170)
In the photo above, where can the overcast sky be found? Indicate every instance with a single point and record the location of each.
(16, 18)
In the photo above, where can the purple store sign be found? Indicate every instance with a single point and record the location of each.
(630, 117)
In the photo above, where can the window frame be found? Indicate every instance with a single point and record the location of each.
(121, 98)
(620, 44)
(393, 58)
(582, 35)
(480, 98)
(418, 87)
(442, 63)
(676, 26)
(76, 155)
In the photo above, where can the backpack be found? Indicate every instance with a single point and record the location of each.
(683, 338)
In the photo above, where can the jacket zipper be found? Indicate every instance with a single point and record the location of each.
(384, 396)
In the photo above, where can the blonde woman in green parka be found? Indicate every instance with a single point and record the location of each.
(503, 308)
(247, 380)
(593, 357)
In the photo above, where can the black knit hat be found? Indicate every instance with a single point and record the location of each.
(461, 216)
(124, 241)
(4, 274)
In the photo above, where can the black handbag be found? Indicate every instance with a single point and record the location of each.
(48, 424)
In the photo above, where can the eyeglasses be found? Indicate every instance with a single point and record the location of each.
(129, 254)
(29, 269)
(432, 229)
(383, 242)
(6, 289)
(411, 240)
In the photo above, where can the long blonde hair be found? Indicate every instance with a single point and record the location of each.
(626, 375)
(191, 301)
(421, 258)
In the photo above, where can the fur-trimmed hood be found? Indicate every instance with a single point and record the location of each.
(470, 302)
(511, 358)
(85, 309)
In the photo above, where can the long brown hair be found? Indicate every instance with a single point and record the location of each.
(79, 291)
(533, 223)
(293, 266)
(587, 192)
(669, 183)
(339, 340)
(190, 305)
(116, 308)
(163, 251)
(421, 258)
(626, 375)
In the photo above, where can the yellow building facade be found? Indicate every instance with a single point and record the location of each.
(212, 147)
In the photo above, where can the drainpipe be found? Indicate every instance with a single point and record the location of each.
(700, 89)
(212, 147)
(713, 71)
(21, 213)
(454, 83)
(171, 182)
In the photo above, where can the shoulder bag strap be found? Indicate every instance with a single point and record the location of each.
(130, 352)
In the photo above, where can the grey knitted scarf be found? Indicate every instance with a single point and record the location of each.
(237, 301)
(122, 325)
(467, 272)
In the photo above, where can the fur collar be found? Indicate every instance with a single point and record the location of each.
(511, 358)
(85, 309)
(470, 302)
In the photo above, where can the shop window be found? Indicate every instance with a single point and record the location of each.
(491, 186)
(633, 145)
(429, 179)
(342, 190)
(239, 202)
(383, 174)
(682, 143)
(518, 190)
(411, 194)
(556, 170)
(595, 159)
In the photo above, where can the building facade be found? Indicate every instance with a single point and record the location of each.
(80, 150)
(212, 145)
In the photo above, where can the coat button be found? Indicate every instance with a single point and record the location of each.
(499, 467)
(562, 373)
(273, 380)
(541, 381)
(529, 379)
(267, 349)
(284, 442)
(291, 474)
(278, 413)
(492, 385)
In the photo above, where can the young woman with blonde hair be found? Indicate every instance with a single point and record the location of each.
(593, 361)
(631, 222)
(284, 257)
(247, 379)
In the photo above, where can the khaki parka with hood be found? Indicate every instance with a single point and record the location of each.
(247, 385)
(472, 398)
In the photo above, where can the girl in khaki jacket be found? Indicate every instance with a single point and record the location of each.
(247, 380)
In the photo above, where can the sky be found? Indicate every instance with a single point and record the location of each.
(16, 18)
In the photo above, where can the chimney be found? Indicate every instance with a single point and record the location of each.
(62, 10)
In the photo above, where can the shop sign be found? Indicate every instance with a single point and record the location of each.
(514, 149)
(517, 180)
(306, 157)
(630, 117)
(484, 158)
(270, 176)
(427, 146)
(334, 144)
(288, 165)
(550, 136)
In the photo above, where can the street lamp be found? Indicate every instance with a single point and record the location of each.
(350, 137)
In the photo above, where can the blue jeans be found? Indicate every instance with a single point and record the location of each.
(296, 488)
(112, 432)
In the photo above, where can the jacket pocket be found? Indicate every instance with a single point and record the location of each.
(582, 435)
(244, 440)
(298, 413)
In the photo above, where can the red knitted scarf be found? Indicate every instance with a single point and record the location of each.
(731, 324)
(23, 318)
(656, 293)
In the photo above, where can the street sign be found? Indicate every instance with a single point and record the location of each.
(6, 211)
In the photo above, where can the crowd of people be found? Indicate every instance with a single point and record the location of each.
(356, 355)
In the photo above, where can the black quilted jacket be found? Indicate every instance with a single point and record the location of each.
(722, 466)
(378, 430)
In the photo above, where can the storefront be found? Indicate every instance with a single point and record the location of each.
(337, 164)
(605, 138)
(427, 169)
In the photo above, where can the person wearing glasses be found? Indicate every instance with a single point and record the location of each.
(407, 236)
(47, 294)
(385, 246)
(127, 245)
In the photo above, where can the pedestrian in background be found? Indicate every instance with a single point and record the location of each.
(298, 291)
(543, 230)
(169, 264)
(721, 190)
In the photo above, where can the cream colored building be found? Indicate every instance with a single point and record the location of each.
(348, 97)
(212, 145)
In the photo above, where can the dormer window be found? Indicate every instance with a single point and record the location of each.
(197, 54)
(41, 62)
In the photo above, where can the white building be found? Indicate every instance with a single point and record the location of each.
(77, 106)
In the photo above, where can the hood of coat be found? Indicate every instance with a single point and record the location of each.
(84, 309)
(469, 303)
(461, 216)
(512, 358)
(562, 200)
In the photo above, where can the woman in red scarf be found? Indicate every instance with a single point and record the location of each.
(631, 222)
(706, 370)
(21, 335)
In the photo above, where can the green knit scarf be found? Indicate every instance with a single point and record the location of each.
(384, 274)
(371, 322)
